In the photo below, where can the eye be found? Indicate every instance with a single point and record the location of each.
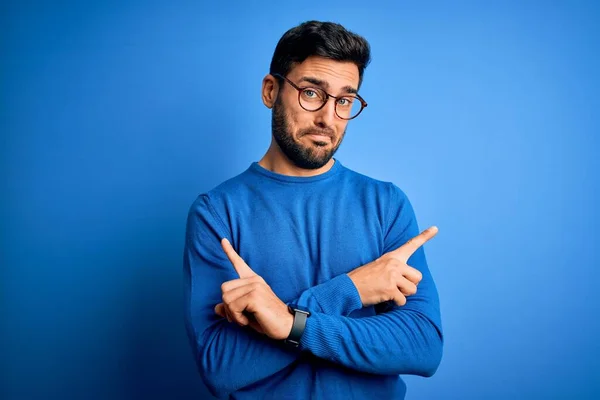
(312, 95)
(345, 101)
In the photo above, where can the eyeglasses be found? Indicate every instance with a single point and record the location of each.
(313, 99)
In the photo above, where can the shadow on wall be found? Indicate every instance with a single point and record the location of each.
(157, 358)
(95, 301)
(158, 361)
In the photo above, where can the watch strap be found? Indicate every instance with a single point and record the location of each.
(300, 317)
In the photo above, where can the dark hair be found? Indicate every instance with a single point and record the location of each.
(323, 39)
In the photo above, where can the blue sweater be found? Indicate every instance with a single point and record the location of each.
(302, 235)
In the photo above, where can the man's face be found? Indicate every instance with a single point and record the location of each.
(310, 139)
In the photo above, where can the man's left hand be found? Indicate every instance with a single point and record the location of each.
(249, 301)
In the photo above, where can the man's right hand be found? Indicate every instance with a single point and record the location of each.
(389, 277)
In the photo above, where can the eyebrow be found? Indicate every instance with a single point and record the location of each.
(325, 85)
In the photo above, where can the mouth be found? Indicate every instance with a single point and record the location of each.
(319, 137)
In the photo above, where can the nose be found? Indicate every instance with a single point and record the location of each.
(326, 116)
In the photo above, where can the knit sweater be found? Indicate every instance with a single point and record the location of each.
(303, 235)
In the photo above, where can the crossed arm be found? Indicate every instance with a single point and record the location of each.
(403, 340)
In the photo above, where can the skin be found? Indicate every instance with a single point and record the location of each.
(389, 277)
(249, 300)
(337, 77)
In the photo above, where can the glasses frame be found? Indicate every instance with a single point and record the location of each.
(363, 103)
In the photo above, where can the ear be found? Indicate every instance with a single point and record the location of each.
(270, 88)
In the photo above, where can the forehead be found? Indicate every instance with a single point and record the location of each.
(336, 74)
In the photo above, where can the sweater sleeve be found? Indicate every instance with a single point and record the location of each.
(219, 345)
(229, 357)
(400, 340)
(337, 296)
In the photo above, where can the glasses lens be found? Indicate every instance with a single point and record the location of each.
(312, 99)
(348, 106)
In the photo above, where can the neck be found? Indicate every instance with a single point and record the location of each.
(275, 161)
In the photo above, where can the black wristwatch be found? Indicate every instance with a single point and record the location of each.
(300, 315)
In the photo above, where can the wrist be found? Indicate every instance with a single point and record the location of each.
(357, 289)
(288, 323)
(299, 316)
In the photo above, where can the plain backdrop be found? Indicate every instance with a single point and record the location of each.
(114, 116)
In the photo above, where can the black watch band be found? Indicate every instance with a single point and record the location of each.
(301, 314)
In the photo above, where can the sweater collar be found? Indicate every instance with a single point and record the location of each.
(256, 167)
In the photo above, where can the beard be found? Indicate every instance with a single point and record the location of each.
(307, 157)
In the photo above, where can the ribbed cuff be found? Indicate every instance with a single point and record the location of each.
(322, 336)
(337, 296)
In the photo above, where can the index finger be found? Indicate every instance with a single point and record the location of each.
(407, 249)
(240, 266)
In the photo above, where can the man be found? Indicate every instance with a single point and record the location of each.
(304, 279)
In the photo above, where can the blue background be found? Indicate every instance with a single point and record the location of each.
(115, 116)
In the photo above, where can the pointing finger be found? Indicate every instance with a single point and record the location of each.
(406, 250)
(240, 266)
